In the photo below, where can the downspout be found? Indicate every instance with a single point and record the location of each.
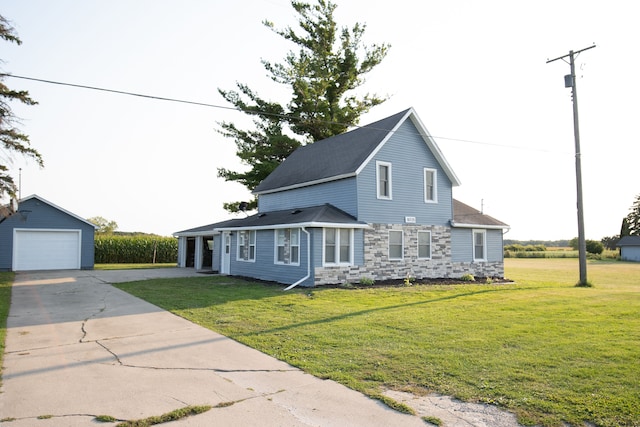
(308, 261)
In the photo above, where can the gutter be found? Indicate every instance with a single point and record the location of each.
(308, 261)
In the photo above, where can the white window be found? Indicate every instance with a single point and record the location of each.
(246, 245)
(396, 244)
(383, 176)
(424, 244)
(479, 245)
(338, 246)
(288, 246)
(430, 185)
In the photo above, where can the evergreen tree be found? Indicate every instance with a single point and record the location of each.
(633, 218)
(322, 75)
(624, 229)
(12, 140)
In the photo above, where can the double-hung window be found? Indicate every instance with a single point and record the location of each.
(247, 245)
(430, 185)
(396, 244)
(288, 246)
(338, 246)
(383, 176)
(424, 244)
(479, 245)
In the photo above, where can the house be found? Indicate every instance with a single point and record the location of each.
(629, 248)
(42, 236)
(374, 202)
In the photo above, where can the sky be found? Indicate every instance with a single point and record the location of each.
(475, 72)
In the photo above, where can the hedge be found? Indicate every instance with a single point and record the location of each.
(113, 249)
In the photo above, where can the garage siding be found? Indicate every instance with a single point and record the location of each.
(40, 216)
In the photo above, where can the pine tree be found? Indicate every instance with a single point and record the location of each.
(12, 140)
(329, 65)
(633, 218)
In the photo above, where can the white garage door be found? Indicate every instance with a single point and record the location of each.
(46, 249)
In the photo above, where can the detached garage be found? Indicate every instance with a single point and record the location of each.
(43, 236)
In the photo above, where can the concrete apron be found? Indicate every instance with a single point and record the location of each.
(77, 348)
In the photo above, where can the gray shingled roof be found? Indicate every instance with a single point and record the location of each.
(310, 216)
(465, 216)
(207, 229)
(629, 241)
(336, 157)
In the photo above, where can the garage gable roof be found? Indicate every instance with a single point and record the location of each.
(629, 241)
(35, 196)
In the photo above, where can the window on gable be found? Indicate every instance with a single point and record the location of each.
(247, 245)
(430, 185)
(288, 246)
(479, 245)
(396, 244)
(338, 246)
(383, 175)
(424, 244)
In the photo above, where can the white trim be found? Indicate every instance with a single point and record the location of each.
(484, 244)
(225, 257)
(389, 167)
(196, 233)
(486, 227)
(430, 243)
(337, 249)
(35, 196)
(298, 225)
(276, 245)
(248, 244)
(435, 185)
(306, 184)
(401, 245)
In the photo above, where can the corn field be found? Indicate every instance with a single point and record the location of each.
(111, 249)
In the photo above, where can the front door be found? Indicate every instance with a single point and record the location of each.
(225, 262)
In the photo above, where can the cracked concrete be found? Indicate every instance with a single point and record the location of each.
(77, 348)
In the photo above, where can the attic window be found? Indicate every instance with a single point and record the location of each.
(296, 211)
(261, 215)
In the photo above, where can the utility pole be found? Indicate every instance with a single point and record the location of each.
(570, 81)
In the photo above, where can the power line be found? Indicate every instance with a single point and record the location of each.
(222, 107)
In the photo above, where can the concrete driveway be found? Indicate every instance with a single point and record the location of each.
(77, 347)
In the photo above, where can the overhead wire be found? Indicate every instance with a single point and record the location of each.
(283, 116)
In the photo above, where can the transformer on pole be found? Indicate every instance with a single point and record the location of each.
(570, 82)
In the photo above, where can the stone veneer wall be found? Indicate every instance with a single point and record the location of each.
(378, 266)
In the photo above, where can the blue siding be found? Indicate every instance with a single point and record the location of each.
(45, 216)
(409, 155)
(264, 267)
(462, 245)
(341, 194)
(217, 252)
(495, 248)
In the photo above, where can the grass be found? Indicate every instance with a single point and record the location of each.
(165, 418)
(548, 351)
(6, 280)
(132, 266)
(543, 348)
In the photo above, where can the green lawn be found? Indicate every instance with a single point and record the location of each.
(548, 351)
(543, 348)
(6, 280)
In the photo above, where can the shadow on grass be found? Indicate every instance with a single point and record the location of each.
(375, 310)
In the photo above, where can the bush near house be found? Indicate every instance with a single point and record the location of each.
(113, 249)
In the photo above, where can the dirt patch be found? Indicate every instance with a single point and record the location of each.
(454, 413)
